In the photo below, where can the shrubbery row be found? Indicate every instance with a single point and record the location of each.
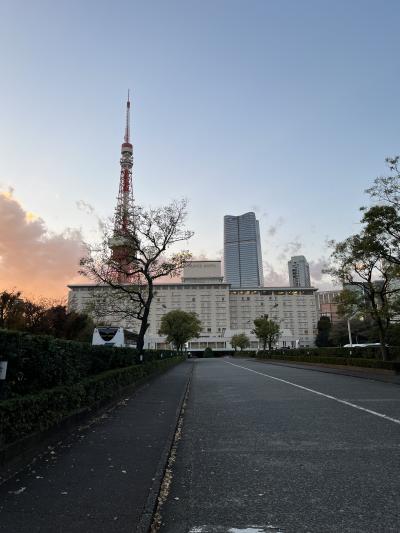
(32, 413)
(37, 362)
(330, 360)
(370, 352)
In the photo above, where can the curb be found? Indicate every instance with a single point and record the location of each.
(146, 517)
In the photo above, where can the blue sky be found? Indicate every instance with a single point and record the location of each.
(288, 108)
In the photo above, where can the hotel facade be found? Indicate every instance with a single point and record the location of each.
(224, 311)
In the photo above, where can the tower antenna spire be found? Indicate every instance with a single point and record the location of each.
(127, 121)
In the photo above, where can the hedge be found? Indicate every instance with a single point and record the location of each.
(330, 360)
(371, 352)
(37, 362)
(33, 413)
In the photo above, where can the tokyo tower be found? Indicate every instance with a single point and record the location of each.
(121, 244)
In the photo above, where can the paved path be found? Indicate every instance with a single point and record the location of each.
(271, 448)
(99, 478)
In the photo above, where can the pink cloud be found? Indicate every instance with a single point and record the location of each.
(32, 259)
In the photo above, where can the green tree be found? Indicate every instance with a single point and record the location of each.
(368, 264)
(324, 327)
(267, 331)
(43, 318)
(35, 319)
(78, 326)
(382, 221)
(67, 325)
(362, 329)
(208, 352)
(179, 327)
(369, 280)
(11, 310)
(393, 336)
(241, 340)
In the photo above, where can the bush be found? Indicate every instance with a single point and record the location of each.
(208, 352)
(330, 360)
(37, 362)
(372, 352)
(25, 415)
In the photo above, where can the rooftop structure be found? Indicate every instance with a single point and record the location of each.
(202, 272)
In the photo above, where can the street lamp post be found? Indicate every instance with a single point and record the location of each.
(350, 339)
(349, 330)
(3, 373)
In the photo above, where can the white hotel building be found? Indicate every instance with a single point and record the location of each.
(223, 311)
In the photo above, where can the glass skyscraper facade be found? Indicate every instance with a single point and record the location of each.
(299, 272)
(242, 251)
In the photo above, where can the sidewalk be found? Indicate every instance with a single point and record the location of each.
(387, 376)
(100, 477)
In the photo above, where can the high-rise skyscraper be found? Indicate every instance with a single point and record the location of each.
(242, 251)
(299, 272)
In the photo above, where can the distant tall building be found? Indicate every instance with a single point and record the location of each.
(242, 251)
(299, 272)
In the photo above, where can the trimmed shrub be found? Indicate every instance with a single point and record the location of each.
(329, 360)
(37, 362)
(208, 352)
(32, 413)
(372, 352)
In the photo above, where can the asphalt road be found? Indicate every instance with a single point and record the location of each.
(99, 478)
(269, 448)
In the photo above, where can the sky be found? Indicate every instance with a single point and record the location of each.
(287, 108)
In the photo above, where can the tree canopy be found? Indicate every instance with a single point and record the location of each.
(267, 331)
(368, 263)
(179, 327)
(241, 340)
(43, 317)
(323, 336)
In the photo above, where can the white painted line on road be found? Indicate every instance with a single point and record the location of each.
(375, 413)
(227, 529)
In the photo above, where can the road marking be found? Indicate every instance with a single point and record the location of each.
(227, 529)
(375, 413)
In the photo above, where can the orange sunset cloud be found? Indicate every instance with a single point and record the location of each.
(32, 259)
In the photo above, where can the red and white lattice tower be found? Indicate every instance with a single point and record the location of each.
(122, 243)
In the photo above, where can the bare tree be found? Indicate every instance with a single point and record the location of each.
(382, 220)
(130, 260)
(386, 189)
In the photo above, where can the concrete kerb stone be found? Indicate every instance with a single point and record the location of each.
(150, 506)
